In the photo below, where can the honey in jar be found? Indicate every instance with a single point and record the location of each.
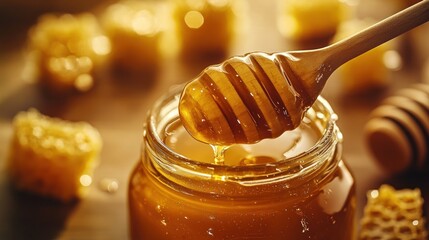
(296, 186)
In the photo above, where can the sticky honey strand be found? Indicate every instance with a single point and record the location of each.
(244, 100)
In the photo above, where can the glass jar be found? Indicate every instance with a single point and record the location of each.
(307, 196)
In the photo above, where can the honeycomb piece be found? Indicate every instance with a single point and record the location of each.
(65, 50)
(310, 20)
(53, 157)
(135, 29)
(206, 27)
(393, 214)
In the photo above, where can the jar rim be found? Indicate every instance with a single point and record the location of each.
(290, 167)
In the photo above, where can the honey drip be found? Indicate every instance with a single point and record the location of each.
(264, 152)
(219, 154)
(244, 100)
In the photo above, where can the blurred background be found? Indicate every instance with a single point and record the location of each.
(116, 58)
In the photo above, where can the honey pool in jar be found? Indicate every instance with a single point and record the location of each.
(292, 187)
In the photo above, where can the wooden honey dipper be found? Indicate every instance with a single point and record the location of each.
(248, 98)
(397, 133)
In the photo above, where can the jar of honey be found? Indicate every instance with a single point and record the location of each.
(296, 186)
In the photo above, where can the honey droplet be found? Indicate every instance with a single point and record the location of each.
(219, 154)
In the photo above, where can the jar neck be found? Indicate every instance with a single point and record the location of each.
(310, 168)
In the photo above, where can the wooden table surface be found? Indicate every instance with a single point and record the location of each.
(117, 107)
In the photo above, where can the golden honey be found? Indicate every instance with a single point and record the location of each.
(246, 99)
(292, 187)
